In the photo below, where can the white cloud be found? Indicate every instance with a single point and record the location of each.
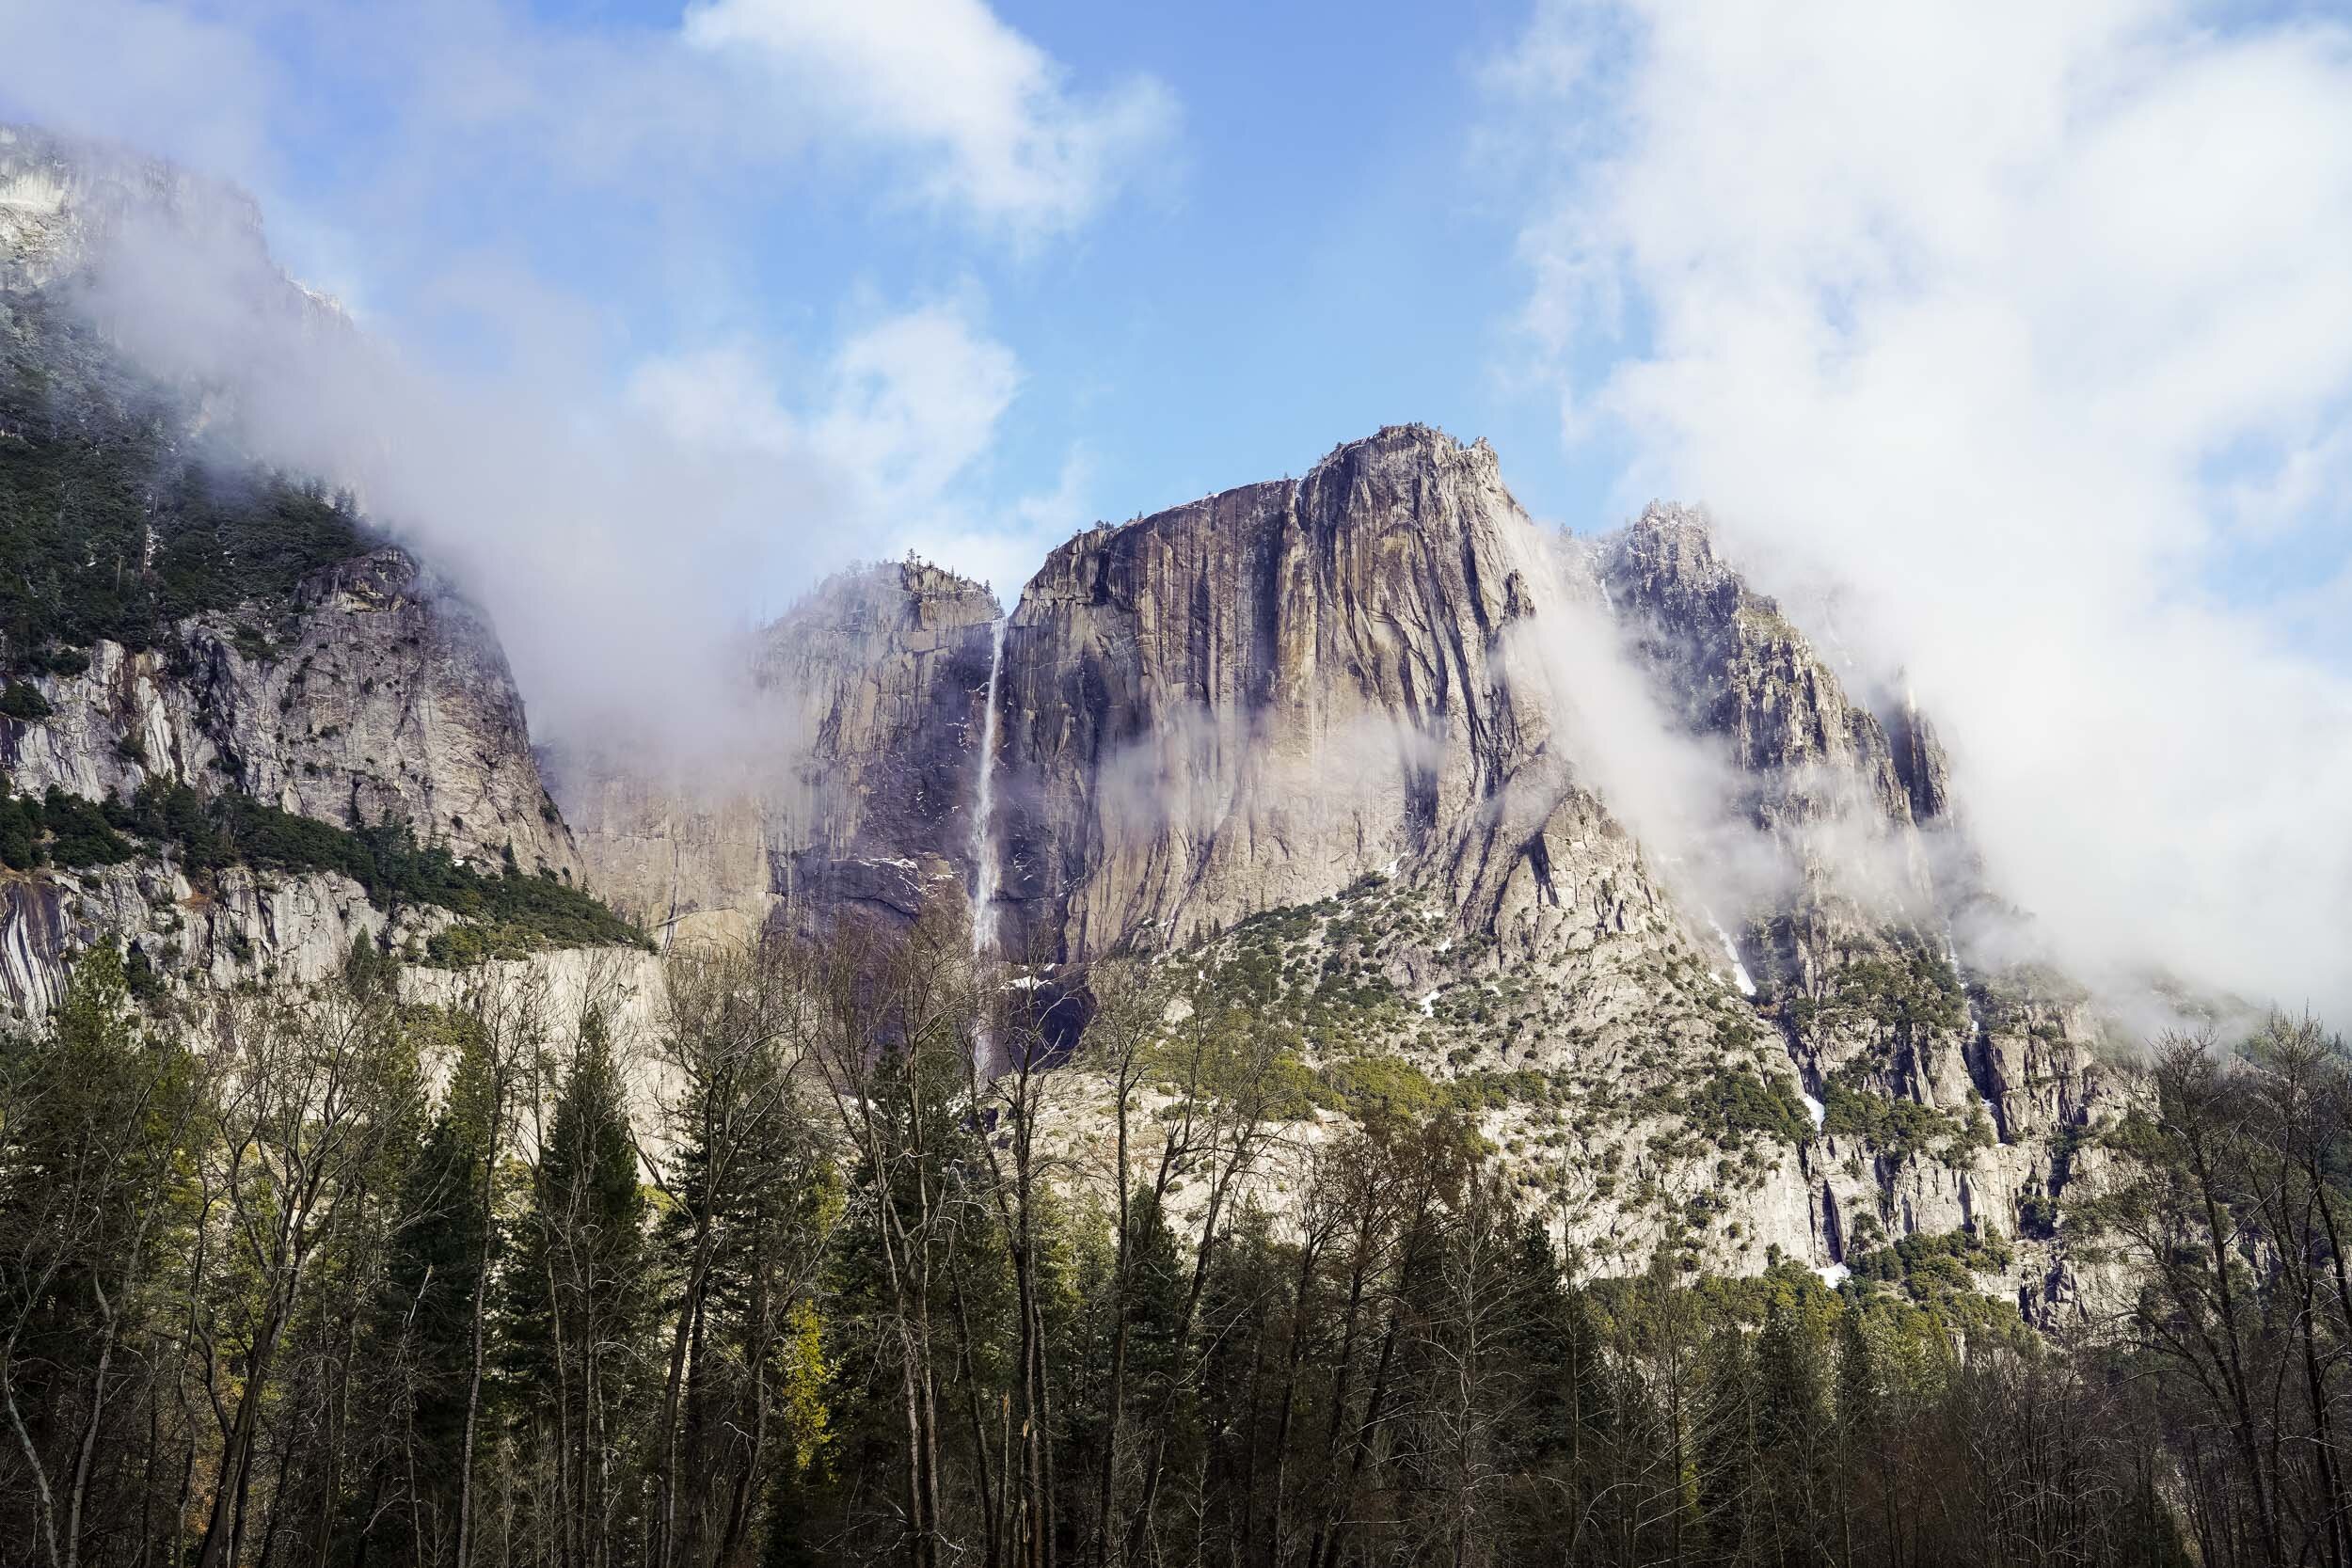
(950, 78)
(903, 412)
(904, 419)
(959, 112)
(716, 398)
(914, 400)
(2021, 319)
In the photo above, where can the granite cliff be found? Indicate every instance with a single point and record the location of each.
(1306, 739)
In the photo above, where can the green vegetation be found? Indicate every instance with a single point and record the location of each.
(1896, 997)
(23, 703)
(1727, 1106)
(110, 527)
(1897, 1127)
(1935, 1267)
(58, 830)
(506, 912)
(1381, 1084)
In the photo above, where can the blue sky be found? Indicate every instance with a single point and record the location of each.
(1318, 245)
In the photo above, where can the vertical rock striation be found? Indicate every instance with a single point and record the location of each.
(1255, 699)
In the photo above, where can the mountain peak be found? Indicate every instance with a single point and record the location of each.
(1410, 439)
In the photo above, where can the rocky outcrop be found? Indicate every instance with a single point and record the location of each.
(385, 695)
(383, 692)
(687, 860)
(1739, 669)
(1990, 1069)
(241, 927)
(875, 686)
(1824, 782)
(190, 618)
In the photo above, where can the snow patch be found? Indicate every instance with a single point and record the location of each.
(1429, 1004)
(1833, 1274)
(1738, 971)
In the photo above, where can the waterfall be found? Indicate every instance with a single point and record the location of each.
(1951, 955)
(985, 872)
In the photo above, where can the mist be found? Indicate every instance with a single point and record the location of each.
(2054, 404)
(607, 549)
(529, 333)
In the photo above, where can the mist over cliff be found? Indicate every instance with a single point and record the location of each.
(622, 556)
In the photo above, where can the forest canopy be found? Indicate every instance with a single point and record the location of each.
(799, 1266)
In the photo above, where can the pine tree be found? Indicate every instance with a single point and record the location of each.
(579, 1304)
(94, 1126)
(1729, 1442)
(1860, 1448)
(426, 1319)
(1791, 1427)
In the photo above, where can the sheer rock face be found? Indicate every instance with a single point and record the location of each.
(390, 695)
(1250, 701)
(879, 682)
(1256, 699)
(687, 863)
(1331, 693)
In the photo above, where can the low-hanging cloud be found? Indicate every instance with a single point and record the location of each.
(2031, 326)
(561, 385)
(611, 539)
